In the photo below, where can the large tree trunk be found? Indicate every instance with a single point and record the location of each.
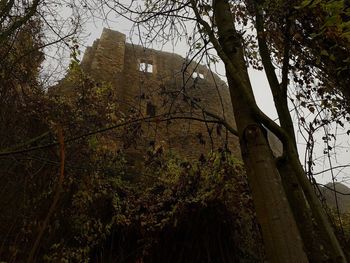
(280, 233)
(294, 192)
(314, 245)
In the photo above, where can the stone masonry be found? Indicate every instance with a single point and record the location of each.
(154, 83)
(157, 83)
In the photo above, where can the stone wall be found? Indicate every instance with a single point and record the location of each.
(164, 84)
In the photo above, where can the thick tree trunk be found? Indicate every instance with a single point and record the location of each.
(280, 233)
(314, 245)
(294, 191)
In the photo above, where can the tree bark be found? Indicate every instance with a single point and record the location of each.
(280, 233)
(314, 245)
(294, 191)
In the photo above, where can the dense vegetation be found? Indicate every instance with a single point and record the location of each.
(172, 210)
(70, 194)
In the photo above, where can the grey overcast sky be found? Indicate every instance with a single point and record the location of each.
(93, 28)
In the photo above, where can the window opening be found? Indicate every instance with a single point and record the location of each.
(146, 67)
(197, 75)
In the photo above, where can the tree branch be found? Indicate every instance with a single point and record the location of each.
(17, 24)
(157, 118)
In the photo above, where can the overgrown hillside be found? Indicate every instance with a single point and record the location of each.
(72, 196)
(74, 188)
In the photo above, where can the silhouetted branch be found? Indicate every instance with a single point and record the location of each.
(158, 118)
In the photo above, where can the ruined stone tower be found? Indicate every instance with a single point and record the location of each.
(156, 83)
